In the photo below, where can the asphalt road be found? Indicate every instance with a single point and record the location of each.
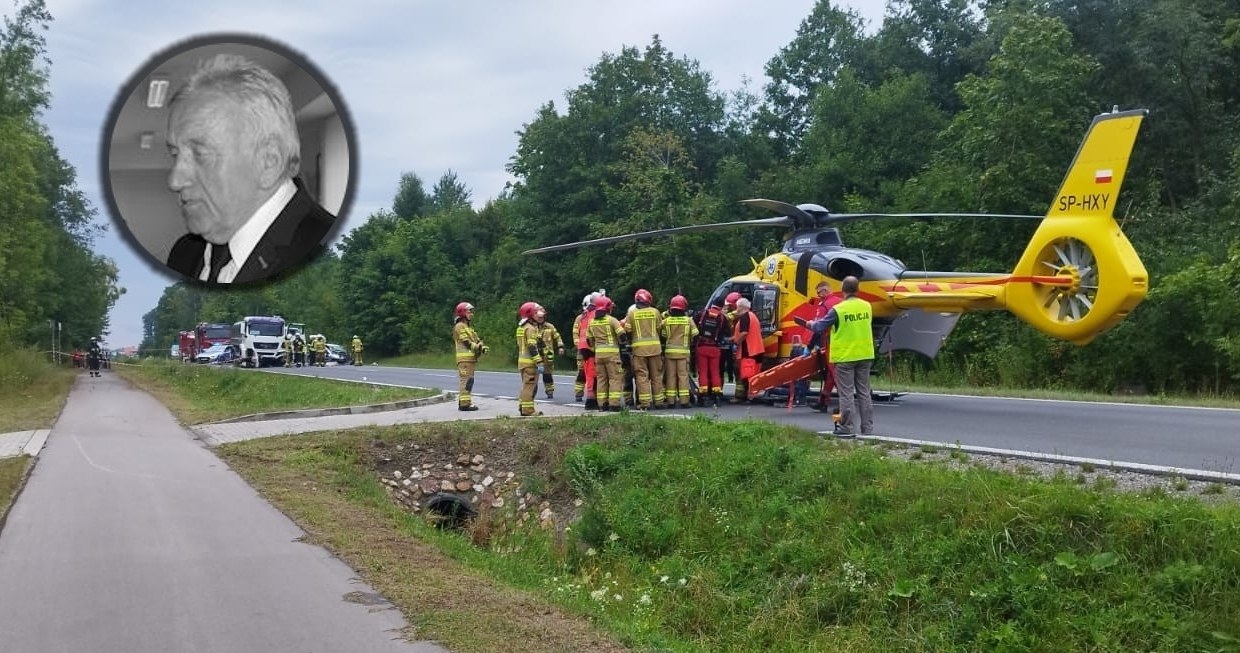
(1173, 436)
(131, 537)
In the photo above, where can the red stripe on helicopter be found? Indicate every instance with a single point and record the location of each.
(1102, 176)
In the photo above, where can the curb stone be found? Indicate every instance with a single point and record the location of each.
(345, 410)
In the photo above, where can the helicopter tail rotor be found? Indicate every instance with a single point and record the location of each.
(1080, 275)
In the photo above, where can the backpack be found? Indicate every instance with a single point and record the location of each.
(710, 330)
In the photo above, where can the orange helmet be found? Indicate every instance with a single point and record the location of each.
(602, 302)
(679, 303)
(527, 311)
(732, 298)
(643, 296)
(461, 310)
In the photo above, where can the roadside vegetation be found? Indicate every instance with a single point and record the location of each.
(32, 390)
(12, 471)
(697, 535)
(208, 393)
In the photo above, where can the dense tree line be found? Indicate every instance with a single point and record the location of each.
(948, 105)
(48, 273)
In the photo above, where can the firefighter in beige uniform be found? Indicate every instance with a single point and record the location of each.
(529, 353)
(603, 337)
(552, 345)
(643, 324)
(678, 332)
(468, 348)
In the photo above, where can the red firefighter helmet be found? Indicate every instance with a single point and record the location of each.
(679, 303)
(732, 298)
(528, 309)
(642, 296)
(461, 309)
(603, 302)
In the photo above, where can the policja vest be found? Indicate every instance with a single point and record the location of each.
(852, 338)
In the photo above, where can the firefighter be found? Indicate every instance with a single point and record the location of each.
(642, 325)
(287, 348)
(529, 352)
(299, 351)
(583, 386)
(94, 356)
(747, 336)
(320, 351)
(678, 333)
(713, 329)
(603, 337)
(468, 348)
(552, 344)
(357, 348)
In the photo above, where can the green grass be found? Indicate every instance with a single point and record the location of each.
(12, 470)
(697, 535)
(32, 390)
(203, 393)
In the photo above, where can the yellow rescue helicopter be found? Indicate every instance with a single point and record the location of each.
(1077, 277)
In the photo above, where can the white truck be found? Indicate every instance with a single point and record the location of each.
(259, 340)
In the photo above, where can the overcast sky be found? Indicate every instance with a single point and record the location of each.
(431, 85)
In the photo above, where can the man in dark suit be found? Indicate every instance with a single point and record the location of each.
(236, 152)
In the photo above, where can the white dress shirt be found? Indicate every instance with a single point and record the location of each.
(242, 244)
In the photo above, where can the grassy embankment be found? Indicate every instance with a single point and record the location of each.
(32, 390)
(699, 535)
(204, 393)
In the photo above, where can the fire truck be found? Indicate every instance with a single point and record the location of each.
(202, 336)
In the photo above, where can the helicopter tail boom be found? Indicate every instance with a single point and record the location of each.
(1079, 275)
(1084, 276)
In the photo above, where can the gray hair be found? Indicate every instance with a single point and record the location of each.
(742, 303)
(262, 95)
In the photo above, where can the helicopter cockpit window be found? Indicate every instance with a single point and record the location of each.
(766, 303)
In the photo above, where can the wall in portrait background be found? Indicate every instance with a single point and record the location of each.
(138, 162)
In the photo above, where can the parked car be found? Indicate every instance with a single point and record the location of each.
(217, 354)
(338, 355)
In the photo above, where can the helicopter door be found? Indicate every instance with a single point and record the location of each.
(765, 302)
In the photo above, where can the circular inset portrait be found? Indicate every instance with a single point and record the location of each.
(228, 159)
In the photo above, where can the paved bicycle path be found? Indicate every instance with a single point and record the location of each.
(131, 536)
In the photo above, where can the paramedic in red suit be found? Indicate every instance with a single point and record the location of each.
(826, 299)
(747, 335)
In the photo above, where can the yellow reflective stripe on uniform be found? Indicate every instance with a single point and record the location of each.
(644, 325)
(466, 338)
(679, 331)
(526, 334)
(604, 335)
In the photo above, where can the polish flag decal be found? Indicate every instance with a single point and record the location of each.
(1102, 176)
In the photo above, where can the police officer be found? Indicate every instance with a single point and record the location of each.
(468, 348)
(852, 352)
(529, 353)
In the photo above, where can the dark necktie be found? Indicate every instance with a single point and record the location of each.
(220, 256)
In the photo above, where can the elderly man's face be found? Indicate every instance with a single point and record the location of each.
(216, 165)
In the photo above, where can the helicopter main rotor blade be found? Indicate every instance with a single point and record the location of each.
(802, 219)
(842, 217)
(671, 231)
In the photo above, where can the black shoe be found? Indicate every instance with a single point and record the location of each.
(842, 432)
(469, 407)
(577, 398)
(591, 404)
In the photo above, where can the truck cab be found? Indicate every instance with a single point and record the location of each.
(258, 340)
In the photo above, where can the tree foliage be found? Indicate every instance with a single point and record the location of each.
(948, 105)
